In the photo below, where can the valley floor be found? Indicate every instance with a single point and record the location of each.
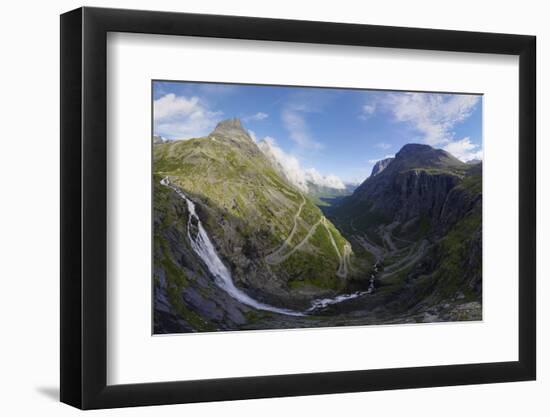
(380, 304)
(241, 248)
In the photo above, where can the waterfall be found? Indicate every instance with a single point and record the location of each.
(203, 247)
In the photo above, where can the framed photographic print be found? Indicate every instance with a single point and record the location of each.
(258, 207)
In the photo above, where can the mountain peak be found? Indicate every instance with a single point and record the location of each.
(233, 123)
(231, 129)
(416, 155)
(415, 148)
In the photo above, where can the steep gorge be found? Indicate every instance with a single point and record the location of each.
(421, 216)
(404, 247)
(276, 242)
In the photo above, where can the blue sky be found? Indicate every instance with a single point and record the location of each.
(336, 132)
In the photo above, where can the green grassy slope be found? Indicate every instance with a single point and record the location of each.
(249, 210)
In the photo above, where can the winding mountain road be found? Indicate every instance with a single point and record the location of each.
(413, 257)
(286, 250)
(377, 251)
(275, 257)
(343, 258)
(284, 257)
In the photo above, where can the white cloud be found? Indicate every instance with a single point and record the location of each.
(297, 127)
(181, 117)
(252, 135)
(291, 168)
(288, 164)
(170, 105)
(432, 115)
(331, 181)
(367, 110)
(256, 117)
(464, 150)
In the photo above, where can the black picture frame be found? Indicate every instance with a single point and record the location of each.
(84, 207)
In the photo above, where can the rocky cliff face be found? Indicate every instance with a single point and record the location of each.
(408, 194)
(380, 166)
(277, 244)
(231, 129)
(414, 184)
(421, 215)
(406, 244)
(186, 299)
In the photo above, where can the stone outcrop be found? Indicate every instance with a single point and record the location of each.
(380, 166)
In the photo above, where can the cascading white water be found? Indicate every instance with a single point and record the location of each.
(325, 302)
(204, 248)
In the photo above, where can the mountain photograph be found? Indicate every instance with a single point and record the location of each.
(300, 207)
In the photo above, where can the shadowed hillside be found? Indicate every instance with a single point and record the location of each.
(237, 246)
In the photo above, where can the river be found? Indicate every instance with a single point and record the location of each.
(203, 247)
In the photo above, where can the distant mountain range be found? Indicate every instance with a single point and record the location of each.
(403, 246)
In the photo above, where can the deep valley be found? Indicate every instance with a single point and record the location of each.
(238, 246)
